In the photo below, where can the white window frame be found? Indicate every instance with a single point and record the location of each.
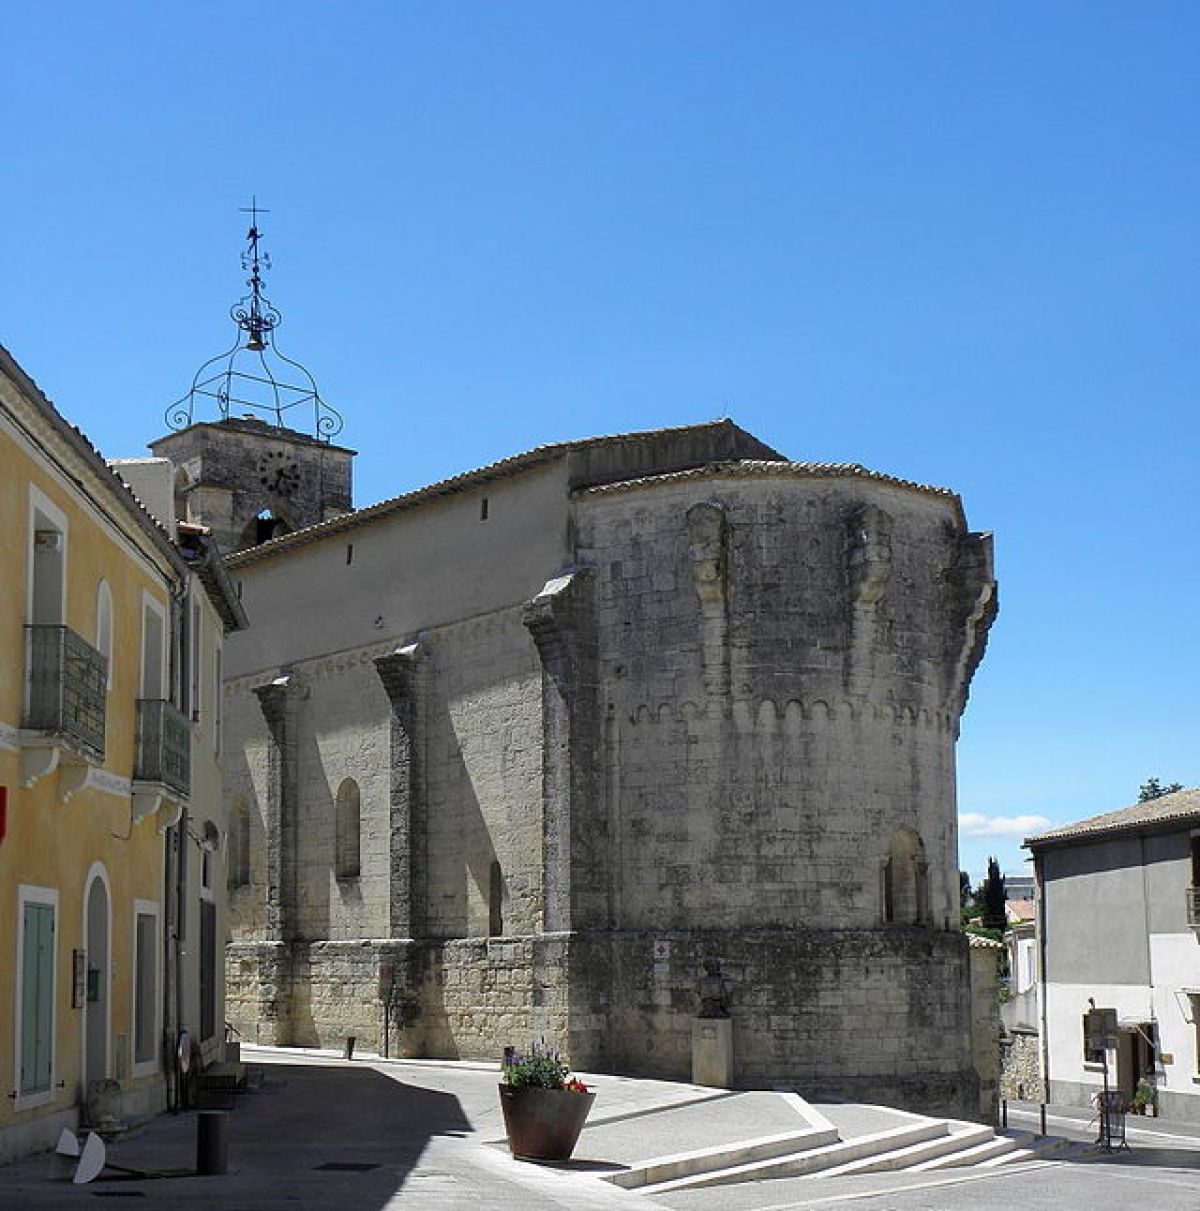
(195, 663)
(39, 502)
(151, 605)
(217, 691)
(145, 908)
(29, 894)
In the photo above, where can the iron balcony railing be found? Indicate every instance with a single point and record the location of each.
(66, 687)
(164, 751)
(1193, 906)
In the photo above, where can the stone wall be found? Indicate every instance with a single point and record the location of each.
(784, 661)
(876, 1015)
(1021, 1065)
(231, 470)
(985, 1022)
(481, 740)
(725, 731)
(853, 1014)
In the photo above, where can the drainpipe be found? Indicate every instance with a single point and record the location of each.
(1039, 882)
(1150, 1014)
(175, 872)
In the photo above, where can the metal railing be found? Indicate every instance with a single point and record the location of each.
(1193, 906)
(67, 679)
(164, 748)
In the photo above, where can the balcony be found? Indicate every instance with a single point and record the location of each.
(1193, 906)
(163, 770)
(164, 750)
(66, 705)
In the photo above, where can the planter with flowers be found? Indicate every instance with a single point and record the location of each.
(1144, 1097)
(544, 1106)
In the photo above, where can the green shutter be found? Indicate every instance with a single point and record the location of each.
(37, 997)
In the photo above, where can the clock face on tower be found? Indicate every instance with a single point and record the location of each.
(278, 473)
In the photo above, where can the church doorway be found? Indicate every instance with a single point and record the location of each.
(1136, 1056)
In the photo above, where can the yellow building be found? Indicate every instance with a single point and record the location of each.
(111, 825)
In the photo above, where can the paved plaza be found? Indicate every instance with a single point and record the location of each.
(325, 1134)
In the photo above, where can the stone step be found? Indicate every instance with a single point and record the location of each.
(1038, 1148)
(816, 1160)
(682, 1165)
(909, 1155)
(988, 1150)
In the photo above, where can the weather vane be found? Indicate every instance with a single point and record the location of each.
(225, 379)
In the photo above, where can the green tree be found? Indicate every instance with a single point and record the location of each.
(992, 898)
(1153, 789)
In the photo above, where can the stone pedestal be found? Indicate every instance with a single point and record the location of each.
(712, 1052)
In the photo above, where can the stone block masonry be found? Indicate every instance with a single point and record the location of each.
(674, 700)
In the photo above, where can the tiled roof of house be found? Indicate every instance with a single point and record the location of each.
(75, 440)
(1179, 807)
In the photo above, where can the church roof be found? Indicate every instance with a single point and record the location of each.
(727, 450)
(1181, 807)
(725, 439)
(783, 469)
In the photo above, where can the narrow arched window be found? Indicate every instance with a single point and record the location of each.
(239, 843)
(104, 629)
(905, 880)
(495, 901)
(347, 831)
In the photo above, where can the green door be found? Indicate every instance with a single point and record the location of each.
(37, 997)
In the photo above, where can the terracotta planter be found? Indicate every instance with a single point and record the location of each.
(543, 1124)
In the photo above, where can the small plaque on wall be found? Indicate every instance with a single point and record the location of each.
(78, 978)
(1166, 1057)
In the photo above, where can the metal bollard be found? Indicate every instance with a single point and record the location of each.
(212, 1141)
(348, 1054)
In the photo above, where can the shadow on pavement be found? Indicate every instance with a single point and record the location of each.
(1142, 1154)
(321, 1136)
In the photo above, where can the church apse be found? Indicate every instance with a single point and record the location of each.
(718, 725)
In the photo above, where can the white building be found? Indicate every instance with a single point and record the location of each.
(1119, 928)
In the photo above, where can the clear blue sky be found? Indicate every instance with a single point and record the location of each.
(954, 242)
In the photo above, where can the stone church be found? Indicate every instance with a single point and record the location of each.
(515, 755)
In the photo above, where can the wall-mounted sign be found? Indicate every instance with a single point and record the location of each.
(1101, 1029)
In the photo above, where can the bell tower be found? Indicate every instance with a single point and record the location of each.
(252, 473)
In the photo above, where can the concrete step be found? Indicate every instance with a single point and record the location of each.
(952, 1140)
(683, 1165)
(1038, 1148)
(989, 1150)
(817, 1160)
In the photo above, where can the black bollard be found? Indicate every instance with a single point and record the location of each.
(348, 1054)
(212, 1142)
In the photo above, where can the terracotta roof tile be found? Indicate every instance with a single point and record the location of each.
(1182, 806)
